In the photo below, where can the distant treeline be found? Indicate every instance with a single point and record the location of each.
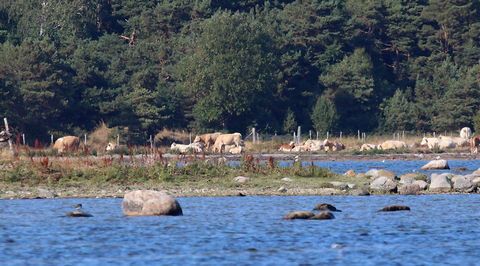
(329, 65)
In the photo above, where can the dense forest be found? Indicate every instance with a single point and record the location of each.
(202, 65)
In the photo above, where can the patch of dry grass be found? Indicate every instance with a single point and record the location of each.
(167, 137)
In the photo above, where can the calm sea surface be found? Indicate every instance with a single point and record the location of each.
(440, 229)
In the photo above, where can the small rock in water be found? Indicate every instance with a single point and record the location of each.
(298, 215)
(337, 245)
(282, 189)
(393, 208)
(240, 194)
(323, 216)
(326, 206)
(79, 214)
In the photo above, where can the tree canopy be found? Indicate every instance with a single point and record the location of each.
(348, 65)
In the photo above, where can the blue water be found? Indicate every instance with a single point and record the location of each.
(440, 229)
(398, 167)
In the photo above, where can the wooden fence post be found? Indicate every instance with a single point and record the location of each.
(299, 134)
(7, 130)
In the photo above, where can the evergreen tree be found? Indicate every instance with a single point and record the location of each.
(351, 86)
(324, 115)
(289, 124)
(398, 113)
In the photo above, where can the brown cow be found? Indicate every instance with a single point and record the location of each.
(67, 143)
(474, 143)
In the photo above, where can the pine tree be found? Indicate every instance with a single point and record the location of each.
(324, 115)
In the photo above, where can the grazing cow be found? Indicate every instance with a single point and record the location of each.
(227, 139)
(465, 133)
(367, 147)
(67, 143)
(392, 144)
(207, 139)
(184, 148)
(474, 143)
(287, 147)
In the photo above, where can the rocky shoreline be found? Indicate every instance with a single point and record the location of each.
(374, 182)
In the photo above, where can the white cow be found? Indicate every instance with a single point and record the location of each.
(367, 147)
(183, 148)
(441, 143)
(392, 144)
(466, 133)
(460, 142)
(430, 142)
(313, 145)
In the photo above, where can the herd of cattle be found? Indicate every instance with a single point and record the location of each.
(233, 143)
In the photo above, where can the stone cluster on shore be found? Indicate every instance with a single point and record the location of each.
(384, 181)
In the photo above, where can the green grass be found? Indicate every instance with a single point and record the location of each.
(93, 175)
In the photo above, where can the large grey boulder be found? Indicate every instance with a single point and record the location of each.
(323, 216)
(150, 202)
(463, 184)
(436, 164)
(406, 180)
(374, 173)
(298, 215)
(440, 183)
(409, 189)
(45, 193)
(384, 184)
(420, 183)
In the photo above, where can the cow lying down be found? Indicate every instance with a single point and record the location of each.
(184, 148)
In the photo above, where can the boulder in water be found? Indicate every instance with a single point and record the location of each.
(440, 183)
(464, 184)
(150, 202)
(79, 214)
(409, 189)
(298, 215)
(436, 164)
(326, 206)
(323, 216)
(393, 208)
(384, 184)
